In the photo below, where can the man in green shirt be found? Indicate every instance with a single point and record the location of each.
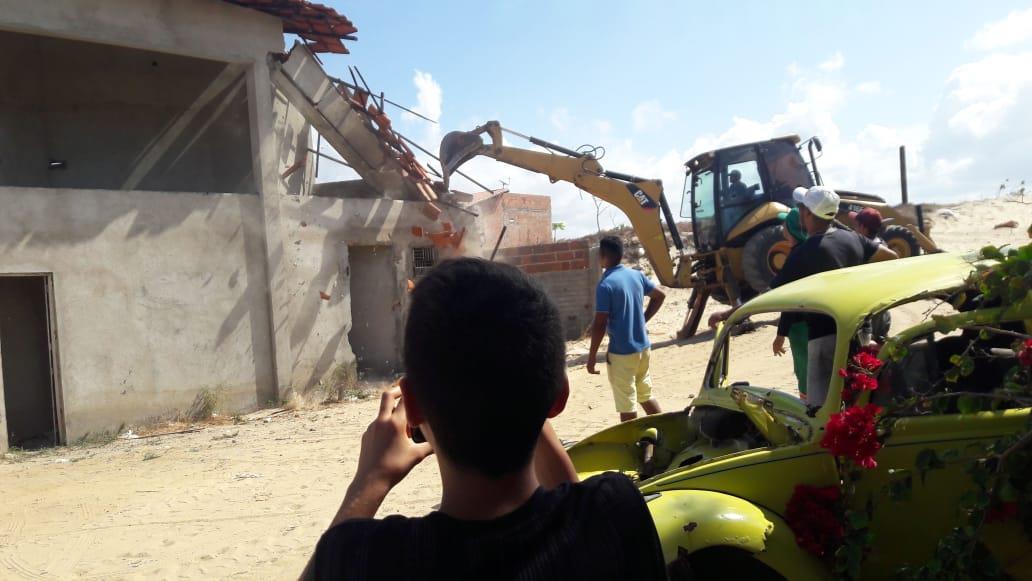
(798, 337)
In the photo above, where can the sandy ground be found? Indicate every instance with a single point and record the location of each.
(250, 500)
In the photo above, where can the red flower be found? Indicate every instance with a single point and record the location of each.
(1025, 354)
(853, 434)
(863, 379)
(856, 383)
(867, 359)
(815, 516)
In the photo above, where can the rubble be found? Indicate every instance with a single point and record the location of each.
(634, 253)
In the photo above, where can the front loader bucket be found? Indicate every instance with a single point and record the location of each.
(457, 148)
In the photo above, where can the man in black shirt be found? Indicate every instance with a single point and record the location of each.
(826, 248)
(485, 366)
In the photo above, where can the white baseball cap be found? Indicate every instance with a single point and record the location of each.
(820, 200)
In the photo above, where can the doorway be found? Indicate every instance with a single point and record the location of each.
(27, 362)
(374, 329)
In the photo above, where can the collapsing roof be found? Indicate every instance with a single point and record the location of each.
(322, 27)
(354, 124)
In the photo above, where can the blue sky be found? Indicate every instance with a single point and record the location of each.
(656, 82)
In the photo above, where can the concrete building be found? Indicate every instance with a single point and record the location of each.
(527, 218)
(159, 237)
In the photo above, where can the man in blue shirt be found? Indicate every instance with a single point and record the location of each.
(619, 301)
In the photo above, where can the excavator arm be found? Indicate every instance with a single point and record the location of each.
(641, 200)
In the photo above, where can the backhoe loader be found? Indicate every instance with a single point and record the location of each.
(734, 197)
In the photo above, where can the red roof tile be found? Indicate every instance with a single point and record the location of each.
(321, 26)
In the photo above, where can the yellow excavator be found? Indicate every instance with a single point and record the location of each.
(735, 197)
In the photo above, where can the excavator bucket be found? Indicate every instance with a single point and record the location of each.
(457, 148)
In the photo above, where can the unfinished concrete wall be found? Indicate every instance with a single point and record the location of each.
(157, 295)
(85, 115)
(210, 29)
(569, 271)
(319, 231)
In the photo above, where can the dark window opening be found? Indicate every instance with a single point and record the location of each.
(423, 259)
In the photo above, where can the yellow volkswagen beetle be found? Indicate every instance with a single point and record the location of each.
(718, 475)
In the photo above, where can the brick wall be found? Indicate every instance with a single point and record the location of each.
(569, 272)
(527, 217)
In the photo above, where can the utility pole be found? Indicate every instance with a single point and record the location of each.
(903, 173)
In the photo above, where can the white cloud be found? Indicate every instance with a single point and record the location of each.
(977, 134)
(602, 127)
(981, 130)
(430, 104)
(650, 116)
(560, 119)
(813, 101)
(869, 87)
(865, 161)
(984, 92)
(1013, 29)
(950, 167)
(429, 96)
(836, 62)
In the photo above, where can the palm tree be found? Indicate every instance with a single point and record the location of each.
(556, 227)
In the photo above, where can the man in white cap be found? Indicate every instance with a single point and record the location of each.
(826, 248)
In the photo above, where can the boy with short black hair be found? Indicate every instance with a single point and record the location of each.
(485, 366)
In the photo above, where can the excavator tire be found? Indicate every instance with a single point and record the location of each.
(901, 241)
(763, 256)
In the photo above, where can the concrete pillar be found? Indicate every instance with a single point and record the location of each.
(267, 179)
(594, 274)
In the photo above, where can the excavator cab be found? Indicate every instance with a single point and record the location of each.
(724, 187)
(734, 197)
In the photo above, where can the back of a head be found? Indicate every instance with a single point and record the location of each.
(485, 359)
(611, 247)
(869, 218)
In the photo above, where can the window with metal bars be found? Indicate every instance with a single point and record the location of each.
(423, 259)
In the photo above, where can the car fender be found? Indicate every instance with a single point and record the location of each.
(692, 520)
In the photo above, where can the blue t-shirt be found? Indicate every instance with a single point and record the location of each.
(621, 293)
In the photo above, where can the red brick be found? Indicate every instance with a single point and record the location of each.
(566, 255)
(535, 268)
(579, 264)
(580, 253)
(539, 258)
(526, 250)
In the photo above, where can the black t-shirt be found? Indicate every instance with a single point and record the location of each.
(597, 529)
(832, 250)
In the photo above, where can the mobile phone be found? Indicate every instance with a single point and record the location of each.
(416, 434)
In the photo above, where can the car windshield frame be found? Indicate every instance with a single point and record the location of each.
(715, 377)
